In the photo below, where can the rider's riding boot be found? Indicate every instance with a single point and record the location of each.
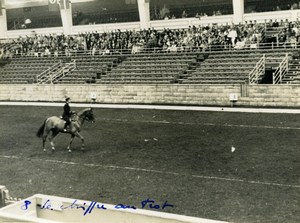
(65, 128)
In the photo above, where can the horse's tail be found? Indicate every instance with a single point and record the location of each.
(41, 130)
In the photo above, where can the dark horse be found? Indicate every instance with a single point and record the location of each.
(55, 125)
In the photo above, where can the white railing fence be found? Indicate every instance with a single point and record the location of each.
(43, 77)
(67, 68)
(281, 70)
(258, 71)
(55, 72)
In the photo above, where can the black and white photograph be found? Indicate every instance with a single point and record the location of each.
(150, 111)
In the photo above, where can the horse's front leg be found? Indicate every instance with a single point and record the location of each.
(71, 140)
(82, 140)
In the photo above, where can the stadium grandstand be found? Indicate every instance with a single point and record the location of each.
(185, 53)
(220, 42)
(111, 44)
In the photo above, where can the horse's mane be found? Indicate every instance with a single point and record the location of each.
(80, 113)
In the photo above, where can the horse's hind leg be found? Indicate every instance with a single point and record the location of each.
(45, 134)
(54, 133)
(44, 140)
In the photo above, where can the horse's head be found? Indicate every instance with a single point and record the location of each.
(89, 115)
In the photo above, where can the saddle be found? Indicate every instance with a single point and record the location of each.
(70, 118)
(63, 118)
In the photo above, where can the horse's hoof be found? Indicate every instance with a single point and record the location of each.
(70, 151)
(53, 149)
(44, 150)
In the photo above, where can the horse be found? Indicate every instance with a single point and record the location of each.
(55, 125)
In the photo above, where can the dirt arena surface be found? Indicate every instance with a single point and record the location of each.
(237, 167)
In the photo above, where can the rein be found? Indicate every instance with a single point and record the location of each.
(79, 118)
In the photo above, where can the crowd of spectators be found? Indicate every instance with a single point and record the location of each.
(271, 5)
(193, 38)
(190, 12)
(200, 38)
(288, 33)
(288, 5)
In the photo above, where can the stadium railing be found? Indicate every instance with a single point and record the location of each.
(281, 70)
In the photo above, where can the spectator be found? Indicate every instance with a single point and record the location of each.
(218, 12)
(232, 35)
(292, 42)
(164, 12)
(240, 44)
(294, 6)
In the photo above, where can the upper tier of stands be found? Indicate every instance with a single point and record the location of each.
(210, 54)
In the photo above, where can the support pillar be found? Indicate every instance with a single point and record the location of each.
(238, 11)
(3, 20)
(144, 12)
(66, 16)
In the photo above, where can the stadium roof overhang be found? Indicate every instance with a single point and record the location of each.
(10, 4)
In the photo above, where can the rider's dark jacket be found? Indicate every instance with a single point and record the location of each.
(67, 112)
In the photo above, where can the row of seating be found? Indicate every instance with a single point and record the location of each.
(137, 80)
(72, 81)
(19, 74)
(80, 56)
(15, 81)
(138, 75)
(216, 81)
(169, 63)
(178, 69)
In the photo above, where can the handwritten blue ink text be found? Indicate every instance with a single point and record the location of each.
(88, 207)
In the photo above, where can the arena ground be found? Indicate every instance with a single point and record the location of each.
(183, 157)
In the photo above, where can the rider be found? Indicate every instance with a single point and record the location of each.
(67, 113)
